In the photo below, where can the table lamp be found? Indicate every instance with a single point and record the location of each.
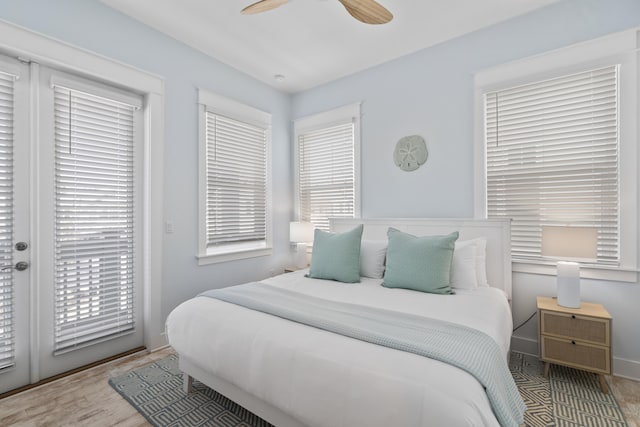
(573, 243)
(300, 233)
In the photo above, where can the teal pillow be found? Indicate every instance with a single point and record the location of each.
(419, 263)
(336, 256)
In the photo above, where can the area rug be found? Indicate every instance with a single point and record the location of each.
(567, 398)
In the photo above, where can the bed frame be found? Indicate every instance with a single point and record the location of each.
(496, 231)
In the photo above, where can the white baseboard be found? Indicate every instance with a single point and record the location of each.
(626, 368)
(621, 367)
(159, 348)
(157, 342)
(524, 345)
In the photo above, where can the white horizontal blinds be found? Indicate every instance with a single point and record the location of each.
(552, 158)
(7, 344)
(326, 184)
(236, 176)
(94, 228)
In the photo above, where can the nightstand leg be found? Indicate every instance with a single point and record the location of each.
(603, 384)
(546, 369)
(187, 383)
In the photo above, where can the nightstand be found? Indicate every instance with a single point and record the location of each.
(579, 338)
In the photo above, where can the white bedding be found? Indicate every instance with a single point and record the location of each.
(324, 379)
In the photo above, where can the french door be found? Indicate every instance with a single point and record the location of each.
(74, 203)
(14, 225)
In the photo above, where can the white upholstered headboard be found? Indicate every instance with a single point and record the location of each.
(496, 231)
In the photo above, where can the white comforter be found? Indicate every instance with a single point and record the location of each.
(324, 379)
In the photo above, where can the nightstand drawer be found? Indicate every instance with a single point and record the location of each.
(576, 355)
(575, 327)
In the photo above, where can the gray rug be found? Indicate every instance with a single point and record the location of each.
(156, 392)
(567, 398)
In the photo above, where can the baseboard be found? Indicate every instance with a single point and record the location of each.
(524, 345)
(157, 342)
(621, 367)
(159, 348)
(626, 368)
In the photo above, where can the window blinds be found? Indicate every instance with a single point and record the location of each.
(326, 174)
(94, 224)
(552, 158)
(236, 181)
(7, 344)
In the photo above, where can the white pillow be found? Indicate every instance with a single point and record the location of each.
(481, 261)
(463, 267)
(372, 256)
(481, 258)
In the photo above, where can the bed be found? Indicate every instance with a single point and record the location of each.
(292, 374)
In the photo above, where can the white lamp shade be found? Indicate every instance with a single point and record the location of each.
(300, 232)
(569, 242)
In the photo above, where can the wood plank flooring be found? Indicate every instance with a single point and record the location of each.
(82, 399)
(86, 399)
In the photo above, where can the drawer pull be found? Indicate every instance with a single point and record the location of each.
(573, 316)
(573, 342)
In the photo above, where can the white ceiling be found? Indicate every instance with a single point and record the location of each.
(311, 42)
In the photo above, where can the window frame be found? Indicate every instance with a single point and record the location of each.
(209, 102)
(619, 48)
(323, 120)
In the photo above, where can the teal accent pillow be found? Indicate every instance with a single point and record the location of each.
(419, 263)
(336, 256)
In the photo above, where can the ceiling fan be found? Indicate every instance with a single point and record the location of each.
(367, 11)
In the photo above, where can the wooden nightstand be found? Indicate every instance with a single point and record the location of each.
(579, 338)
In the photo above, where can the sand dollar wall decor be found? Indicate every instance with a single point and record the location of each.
(410, 153)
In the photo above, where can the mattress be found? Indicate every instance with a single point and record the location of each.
(325, 379)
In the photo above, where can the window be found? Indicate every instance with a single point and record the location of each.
(94, 212)
(7, 347)
(327, 166)
(235, 180)
(556, 145)
(552, 158)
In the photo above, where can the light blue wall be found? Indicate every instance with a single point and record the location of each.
(91, 25)
(430, 93)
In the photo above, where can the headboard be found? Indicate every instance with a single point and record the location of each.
(496, 231)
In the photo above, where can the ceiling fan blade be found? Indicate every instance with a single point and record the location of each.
(367, 11)
(262, 6)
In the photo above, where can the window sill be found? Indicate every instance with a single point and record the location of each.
(232, 255)
(548, 268)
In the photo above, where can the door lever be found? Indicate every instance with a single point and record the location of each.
(20, 266)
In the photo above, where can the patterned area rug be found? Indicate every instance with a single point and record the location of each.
(156, 392)
(567, 398)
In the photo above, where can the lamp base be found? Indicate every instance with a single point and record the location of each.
(569, 284)
(300, 260)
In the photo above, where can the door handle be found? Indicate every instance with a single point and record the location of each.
(20, 266)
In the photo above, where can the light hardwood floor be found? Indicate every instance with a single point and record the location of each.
(86, 399)
(82, 399)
